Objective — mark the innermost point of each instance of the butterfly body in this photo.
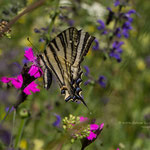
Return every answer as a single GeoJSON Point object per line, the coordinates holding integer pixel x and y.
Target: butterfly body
{"type": "Point", "coordinates": [62, 57]}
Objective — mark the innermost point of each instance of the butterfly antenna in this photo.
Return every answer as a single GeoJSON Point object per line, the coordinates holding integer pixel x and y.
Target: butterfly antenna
{"type": "Point", "coordinates": [28, 39]}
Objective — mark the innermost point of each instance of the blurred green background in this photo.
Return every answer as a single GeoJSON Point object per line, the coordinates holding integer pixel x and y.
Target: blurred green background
{"type": "Point", "coordinates": [123, 105]}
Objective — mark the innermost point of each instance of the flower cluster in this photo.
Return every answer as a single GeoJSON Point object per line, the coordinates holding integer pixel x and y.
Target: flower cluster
{"type": "Point", "coordinates": [80, 128]}
{"type": "Point", "coordinates": [122, 26]}
{"type": "Point", "coordinates": [34, 72]}
{"type": "Point", "coordinates": [102, 80]}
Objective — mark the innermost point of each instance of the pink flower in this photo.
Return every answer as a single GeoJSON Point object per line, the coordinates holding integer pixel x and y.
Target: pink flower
{"type": "Point", "coordinates": [16, 82]}
{"type": "Point", "coordinates": [117, 149]}
{"type": "Point", "coordinates": [101, 126]}
{"type": "Point", "coordinates": [29, 55]}
{"type": "Point", "coordinates": [31, 87]}
{"type": "Point", "coordinates": [94, 128]}
{"type": "Point", "coordinates": [5, 80]}
{"type": "Point", "coordinates": [91, 136]}
{"type": "Point", "coordinates": [35, 70]}
{"type": "Point", "coordinates": [82, 119]}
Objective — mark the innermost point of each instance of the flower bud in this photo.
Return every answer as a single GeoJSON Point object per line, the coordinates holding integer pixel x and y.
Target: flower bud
{"type": "Point", "coordinates": [24, 113]}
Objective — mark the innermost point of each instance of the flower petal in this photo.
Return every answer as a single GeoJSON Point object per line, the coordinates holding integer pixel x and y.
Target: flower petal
{"type": "Point", "coordinates": [29, 54]}
{"type": "Point", "coordinates": [87, 70]}
{"type": "Point", "coordinates": [91, 136]}
{"type": "Point", "coordinates": [17, 82]}
{"type": "Point", "coordinates": [5, 79]}
{"type": "Point", "coordinates": [31, 87]}
{"type": "Point", "coordinates": [101, 126]}
{"type": "Point", "coordinates": [94, 126]}
{"type": "Point", "coordinates": [58, 120]}
{"type": "Point", "coordinates": [82, 119]}
{"type": "Point", "coordinates": [35, 71]}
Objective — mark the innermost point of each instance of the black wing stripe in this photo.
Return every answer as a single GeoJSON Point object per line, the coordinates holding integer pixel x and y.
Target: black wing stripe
{"type": "Point", "coordinates": [51, 66]}
{"type": "Point", "coordinates": [54, 42]}
{"type": "Point", "coordinates": [79, 48]}
{"type": "Point", "coordinates": [65, 51]}
{"type": "Point", "coordinates": [65, 37]}
{"type": "Point", "coordinates": [91, 39]}
{"type": "Point", "coordinates": [57, 60]}
{"type": "Point", "coordinates": [47, 78]}
{"type": "Point", "coordinates": [86, 37]}
{"type": "Point", "coordinates": [63, 44]}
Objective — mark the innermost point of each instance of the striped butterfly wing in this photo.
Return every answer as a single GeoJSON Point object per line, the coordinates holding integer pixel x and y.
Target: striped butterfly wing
{"type": "Point", "coordinates": [63, 56]}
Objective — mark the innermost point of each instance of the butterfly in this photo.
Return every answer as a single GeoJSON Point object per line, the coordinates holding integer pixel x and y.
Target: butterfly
{"type": "Point", "coordinates": [63, 57]}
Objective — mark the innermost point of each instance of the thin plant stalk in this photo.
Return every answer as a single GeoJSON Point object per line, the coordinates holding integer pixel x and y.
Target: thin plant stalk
{"type": "Point", "coordinates": [6, 115]}
{"type": "Point", "coordinates": [20, 132]}
{"type": "Point", "coordinates": [13, 125]}
{"type": "Point", "coordinates": [53, 20]}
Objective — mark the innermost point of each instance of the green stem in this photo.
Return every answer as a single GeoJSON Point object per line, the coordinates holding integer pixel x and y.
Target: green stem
{"type": "Point", "coordinates": [20, 131]}
{"type": "Point", "coordinates": [28, 9]}
{"type": "Point", "coordinates": [14, 118]}
{"type": "Point", "coordinates": [53, 21]}
{"type": "Point", "coordinates": [6, 115]}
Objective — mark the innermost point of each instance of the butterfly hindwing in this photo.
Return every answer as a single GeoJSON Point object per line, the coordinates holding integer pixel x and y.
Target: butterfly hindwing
{"type": "Point", "coordinates": [63, 56]}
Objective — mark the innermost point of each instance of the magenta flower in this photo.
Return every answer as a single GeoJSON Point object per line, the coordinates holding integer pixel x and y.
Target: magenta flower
{"type": "Point", "coordinates": [29, 55]}
{"type": "Point", "coordinates": [35, 70]}
{"type": "Point", "coordinates": [31, 87]}
{"type": "Point", "coordinates": [18, 82]}
{"type": "Point", "coordinates": [82, 119]}
{"type": "Point", "coordinates": [94, 128]}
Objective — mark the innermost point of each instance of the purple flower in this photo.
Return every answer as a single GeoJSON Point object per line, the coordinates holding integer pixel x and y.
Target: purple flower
{"type": "Point", "coordinates": [116, 3]}
{"type": "Point", "coordinates": [102, 81]}
{"type": "Point", "coordinates": [125, 29]}
{"type": "Point", "coordinates": [117, 45]}
{"type": "Point", "coordinates": [71, 22]}
{"type": "Point", "coordinates": [116, 50]}
{"type": "Point", "coordinates": [7, 108]}
{"type": "Point", "coordinates": [37, 30]}
{"type": "Point", "coordinates": [96, 46]}
{"type": "Point", "coordinates": [118, 32]}
{"type": "Point", "coordinates": [127, 15]}
{"type": "Point", "coordinates": [101, 26]}
{"type": "Point", "coordinates": [41, 40]}
{"type": "Point", "coordinates": [87, 82]}
{"type": "Point", "coordinates": [58, 120]}
{"type": "Point", "coordinates": [87, 70]}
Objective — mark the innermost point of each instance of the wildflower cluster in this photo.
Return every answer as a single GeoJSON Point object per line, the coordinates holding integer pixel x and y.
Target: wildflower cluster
{"type": "Point", "coordinates": [25, 80]}
{"type": "Point", "coordinates": [121, 21]}
{"type": "Point", "coordinates": [80, 128]}
{"type": "Point", "coordinates": [3, 24]}
{"type": "Point", "coordinates": [102, 81]}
